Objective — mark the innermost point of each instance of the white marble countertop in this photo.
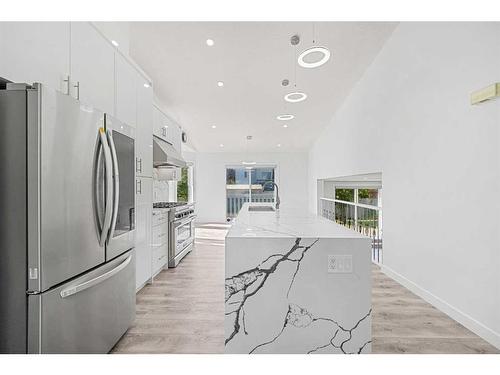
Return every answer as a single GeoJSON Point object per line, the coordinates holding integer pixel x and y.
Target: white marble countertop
{"type": "Point", "coordinates": [286, 222]}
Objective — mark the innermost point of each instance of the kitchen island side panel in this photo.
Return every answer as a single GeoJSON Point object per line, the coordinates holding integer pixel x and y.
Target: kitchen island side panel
{"type": "Point", "coordinates": [281, 298]}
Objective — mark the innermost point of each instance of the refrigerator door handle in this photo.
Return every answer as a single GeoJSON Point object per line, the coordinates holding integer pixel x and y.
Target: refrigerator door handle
{"type": "Point", "coordinates": [109, 192]}
{"type": "Point", "coordinates": [116, 184]}
{"type": "Point", "coordinates": [97, 280]}
{"type": "Point", "coordinates": [97, 176]}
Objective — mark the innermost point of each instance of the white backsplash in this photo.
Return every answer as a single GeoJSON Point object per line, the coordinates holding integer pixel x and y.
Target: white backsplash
{"type": "Point", "coordinates": [164, 191]}
{"type": "Point", "coordinates": [160, 191]}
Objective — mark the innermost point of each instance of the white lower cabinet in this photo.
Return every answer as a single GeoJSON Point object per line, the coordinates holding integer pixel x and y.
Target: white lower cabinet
{"type": "Point", "coordinates": [144, 208]}
{"type": "Point", "coordinates": [159, 241]}
{"type": "Point", "coordinates": [160, 258]}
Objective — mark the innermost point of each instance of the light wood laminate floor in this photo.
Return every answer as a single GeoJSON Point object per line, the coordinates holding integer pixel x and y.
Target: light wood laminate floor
{"type": "Point", "coordinates": [183, 311]}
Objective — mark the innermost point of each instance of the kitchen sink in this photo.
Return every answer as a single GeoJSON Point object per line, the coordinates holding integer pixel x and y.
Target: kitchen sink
{"type": "Point", "coordinates": [261, 208]}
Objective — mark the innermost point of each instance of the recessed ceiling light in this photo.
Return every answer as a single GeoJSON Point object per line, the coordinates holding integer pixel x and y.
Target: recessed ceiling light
{"type": "Point", "coordinates": [214, 126]}
{"type": "Point", "coordinates": [220, 83]}
{"type": "Point", "coordinates": [221, 145]}
{"type": "Point", "coordinates": [325, 52]}
{"type": "Point", "coordinates": [295, 97]}
{"type": "Point", "coordinates": [285, 117]}
{"type": "Point", "coordinates": [147, 85]}
{"type": "Point", "coordinates": [210, 42]}
{"type": "Point", "coordinates": [115, 43]}
{"type": "Point", "coordinates": [248, 162]}
{"type": "Point", "coordinates": [278, 145]}
{"type": "Point", "coordinates": [285, 126]}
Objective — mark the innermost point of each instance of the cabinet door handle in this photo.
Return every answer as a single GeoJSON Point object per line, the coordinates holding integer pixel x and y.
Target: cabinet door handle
{"type": "Point", "coordinates": [66, 85]}
{"type": "Point", "coordinates": [77, 87]}
{"type": "Point", "coordinates": [138, 187]}
{"type": "Point", "coordinates": [164, 131]}
{"type": "Point", "coordinates": [138, 165]}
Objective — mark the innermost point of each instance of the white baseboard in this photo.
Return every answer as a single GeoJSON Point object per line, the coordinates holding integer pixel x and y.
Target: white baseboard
{"type": "Point", "coordinates": [470, 323]}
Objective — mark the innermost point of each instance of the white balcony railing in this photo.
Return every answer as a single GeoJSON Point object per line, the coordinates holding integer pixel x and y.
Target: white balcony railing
{"type": "Point", "coordinates": [363, 218]}
{"type": "Point", "coordinates": [235, 200]}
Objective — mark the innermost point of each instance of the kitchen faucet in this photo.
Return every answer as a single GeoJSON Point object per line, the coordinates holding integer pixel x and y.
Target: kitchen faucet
{"type": "Point", "coordinates": [277, 192]}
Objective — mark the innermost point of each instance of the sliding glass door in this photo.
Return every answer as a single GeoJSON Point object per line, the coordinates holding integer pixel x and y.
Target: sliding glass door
{"type": "Point", "coordinates": [237, 190]}
{"type": "Point", "coordinates": [262, 188]}
{"type": "Point", "coordinates": [248, 184]}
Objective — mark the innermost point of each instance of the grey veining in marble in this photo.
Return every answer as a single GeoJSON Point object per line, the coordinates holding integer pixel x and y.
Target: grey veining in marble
{"type": "Point", "coordinates": [269, 308]}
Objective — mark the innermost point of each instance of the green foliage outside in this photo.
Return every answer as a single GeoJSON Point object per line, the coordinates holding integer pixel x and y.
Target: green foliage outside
{"type": "Point", "coordinates": [348, 194]}
{"type": "Point", "coordinates": [365, 193]}
{"type": "Point", "coordinates": [344, 195]}
{"type": "Point", "coordinates": [182, 186]}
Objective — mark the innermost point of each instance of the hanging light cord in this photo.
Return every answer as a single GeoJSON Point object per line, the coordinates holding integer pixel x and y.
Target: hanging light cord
{"type": "Point", "coordinates": [295, 67]}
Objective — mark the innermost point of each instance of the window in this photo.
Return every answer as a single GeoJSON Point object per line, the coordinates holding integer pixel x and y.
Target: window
{"type": "Point", "coordinates": [185, 186]}
{"type": "Point", "coordinates": [368, 196]}
{"type": "Point", "coordinates": [182, 186]}
{"type": "Point", "coordinates": [357, 208]}
{"type": "Point", "coordinates": [344, 195]}
{"type": "Point", "coordinates": [248, 184]}
{"type": "Point", "coordinates": [262, 188]}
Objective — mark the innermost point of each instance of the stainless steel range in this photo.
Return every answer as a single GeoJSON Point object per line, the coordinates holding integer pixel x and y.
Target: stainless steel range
{"type": "Point", "coordinates": [181, 229]}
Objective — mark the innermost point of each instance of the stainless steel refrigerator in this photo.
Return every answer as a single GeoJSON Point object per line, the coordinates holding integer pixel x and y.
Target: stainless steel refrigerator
{"type": "Point", "coordinates": [67, 218]}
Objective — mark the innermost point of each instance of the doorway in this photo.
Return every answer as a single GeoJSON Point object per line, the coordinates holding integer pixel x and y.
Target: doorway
{"type": "Point", "coordinates": [248, 184]}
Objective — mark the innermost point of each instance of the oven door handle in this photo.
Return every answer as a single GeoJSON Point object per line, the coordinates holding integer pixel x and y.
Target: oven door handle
{"type": "Point", "coordinates": [178, 223]}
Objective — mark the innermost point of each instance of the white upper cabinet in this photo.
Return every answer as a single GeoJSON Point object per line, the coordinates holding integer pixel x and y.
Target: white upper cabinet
{"type": "Point", "coordinates": [166, 129]}
{"type": "Point", "coordinates": [176, 137]}
{"type": "Point", "coordinates": [161, 124]}
{"type": "Point", "coordinates": [170, 130]}
{"type": "Point", "coordinates": [92, 67]}
{"type": "Point", "coordinates": [126, 91]}
{"type": "Point", "coordinates": [35, 52]}
{"type": "Point", "coordinates": [144, 134]}
{"type": "Point", "coordinates": [119, 32]}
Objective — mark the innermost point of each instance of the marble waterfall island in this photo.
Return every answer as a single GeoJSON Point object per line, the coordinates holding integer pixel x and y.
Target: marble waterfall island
{"type": "Point", "coordinates": [296, 283]}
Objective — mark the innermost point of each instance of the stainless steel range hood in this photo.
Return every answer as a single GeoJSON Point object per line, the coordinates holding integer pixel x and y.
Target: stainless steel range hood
{"type": "Point", "coordinates": [165, 155]}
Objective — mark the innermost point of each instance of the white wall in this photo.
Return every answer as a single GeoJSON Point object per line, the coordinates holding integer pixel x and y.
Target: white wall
{"type": "Point", "coordinates": [210, 180]}
{"type": "Point", "coordinates": [409, 117]}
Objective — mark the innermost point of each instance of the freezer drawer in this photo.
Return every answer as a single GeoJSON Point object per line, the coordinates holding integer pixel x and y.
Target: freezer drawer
{"type": "Point", "coordinates": [86, 315]}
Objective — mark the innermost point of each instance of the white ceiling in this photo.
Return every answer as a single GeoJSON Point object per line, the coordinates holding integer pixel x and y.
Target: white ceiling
{"type": "Point", "coordinates": [252, 58]}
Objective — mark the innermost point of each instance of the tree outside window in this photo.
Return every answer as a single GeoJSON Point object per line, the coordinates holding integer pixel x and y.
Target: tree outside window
{"type": "Point", "coordinates": [344, 195]}
{"type": "Point", "coordinates": [182, 186]}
